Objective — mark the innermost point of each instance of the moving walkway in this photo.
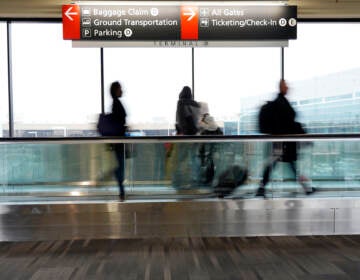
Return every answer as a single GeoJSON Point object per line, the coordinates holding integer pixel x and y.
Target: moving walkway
{"type": "Point", "coordinates": [64, 188]}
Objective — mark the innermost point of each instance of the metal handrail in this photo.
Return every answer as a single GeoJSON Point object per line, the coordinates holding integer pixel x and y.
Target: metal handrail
{"type": "Point", "coordinates": [186, 139]}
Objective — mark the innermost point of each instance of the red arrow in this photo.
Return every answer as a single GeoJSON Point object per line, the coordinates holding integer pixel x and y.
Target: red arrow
{"type": "Point", "coordinates": [191, 13]}
{"type": "Point", "coordinates": [189, 22]}
{"type": "Point", "coordinates": [68, 13]}
{"type": "Point", "coordinates": [71, 22]}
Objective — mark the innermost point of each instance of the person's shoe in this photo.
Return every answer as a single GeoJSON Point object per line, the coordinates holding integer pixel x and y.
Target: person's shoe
{"type": "Point", "coordinates": [260, 192]}
{"type": "Point", "coordinates": [310, 191]}
{"type": "Point", "coordinates": [122, 197]}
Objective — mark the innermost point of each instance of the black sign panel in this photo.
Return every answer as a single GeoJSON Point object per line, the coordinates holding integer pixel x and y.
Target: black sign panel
{"type": "Point", "coordinates": [193, 21]}
{"type": "Point", "coordinates": [247, 22]}
{"type": "Point", "coordinates": [130, 22]}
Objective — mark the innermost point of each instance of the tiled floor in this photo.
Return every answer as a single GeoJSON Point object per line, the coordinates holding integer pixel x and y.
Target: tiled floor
{"type": "Point", "coordinates": [304, 258]}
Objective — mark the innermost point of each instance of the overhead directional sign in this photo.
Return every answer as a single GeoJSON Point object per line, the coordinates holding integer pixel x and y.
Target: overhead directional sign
{"type": "Point", "coordinates": [196, 21]}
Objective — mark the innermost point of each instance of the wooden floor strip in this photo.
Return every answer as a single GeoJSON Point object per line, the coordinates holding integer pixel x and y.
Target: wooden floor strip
{"type": "Point", "coordinates": [258, 258]}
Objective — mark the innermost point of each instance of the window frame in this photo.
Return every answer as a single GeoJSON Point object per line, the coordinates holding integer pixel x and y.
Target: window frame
{"type": "Point", "coordinates": [9, 21]}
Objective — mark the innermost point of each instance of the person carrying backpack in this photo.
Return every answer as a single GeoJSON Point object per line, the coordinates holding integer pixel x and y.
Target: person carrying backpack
{"type": "Point", "coordinates": [207, 124]}
{"type": "Point", "coordinates": [207, 127]}
{"type": "Point", "coordinates": [277, 117]}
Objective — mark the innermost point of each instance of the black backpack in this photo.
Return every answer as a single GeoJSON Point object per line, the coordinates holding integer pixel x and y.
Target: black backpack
{"type": "Point", "coordinates": [267, 117]}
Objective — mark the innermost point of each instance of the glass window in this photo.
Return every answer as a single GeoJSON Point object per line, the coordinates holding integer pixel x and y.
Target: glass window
{"type": "Point", "coordinates": [151, 80]}
{"type": "Point", "coordinates": [235, 82]}
{"type": "Point", "coordinates": [324, 63]}
{"type": "Point", "coordinates": [4, 108]}
{"type": "Point", "coordinates": [57, 89]}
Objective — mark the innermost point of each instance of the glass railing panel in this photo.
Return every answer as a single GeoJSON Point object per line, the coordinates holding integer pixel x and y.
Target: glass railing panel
{"type": "Point", "coordinates": [176, 168]}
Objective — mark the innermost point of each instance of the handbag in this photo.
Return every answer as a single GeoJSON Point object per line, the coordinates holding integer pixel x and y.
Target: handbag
{"type": "Point", "coordinates": [107, 126]}
{"type": "Point", "coordinates": [299, 129]}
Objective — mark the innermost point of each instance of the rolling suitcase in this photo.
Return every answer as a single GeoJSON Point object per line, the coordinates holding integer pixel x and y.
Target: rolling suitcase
{"type": "Point", "coordinates": [229, 180]}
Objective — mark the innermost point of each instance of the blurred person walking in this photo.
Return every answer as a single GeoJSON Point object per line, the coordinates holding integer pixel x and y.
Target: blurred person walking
{"type": "Point", "coordinates": [278, 118]}
{"type": "Point", "coordinates": [187, 113]}
{"type": "Point", "coordinates": [185, 173]}
{"type": "Point", "coordinates": [119, 117]}
{"type": "Point", "coordinates": [207, 126]}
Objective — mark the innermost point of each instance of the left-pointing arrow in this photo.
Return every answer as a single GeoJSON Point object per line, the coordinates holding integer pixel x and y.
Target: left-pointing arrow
{"type": "Point", "coordinates": [71, 22]}
{"type": "Point", "coordinates": [68, 13]}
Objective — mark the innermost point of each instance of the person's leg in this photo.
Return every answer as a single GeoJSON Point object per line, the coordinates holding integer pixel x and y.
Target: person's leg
{"type": "Point", "coordinates": [202, 151]}
{"type": "Point", "coordinates": [266, 176]}
{"type": "Point", "coordinates": [303, 181]}
{"type": "Point", "coordinates": [120, 170]}
{"type": "Point", "coordinates": [180, 161]}
{"type": "Point", "coordinates": [194, 165]}
{"type": "Point", "coordinates": [293, 168]}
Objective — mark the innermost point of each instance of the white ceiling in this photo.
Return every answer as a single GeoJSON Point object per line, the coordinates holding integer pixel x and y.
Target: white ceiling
{"type": "Point", "coordinates": [306, 8]}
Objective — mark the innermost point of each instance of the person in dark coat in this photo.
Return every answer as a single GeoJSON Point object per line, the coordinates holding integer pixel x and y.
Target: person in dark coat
{"type": "Point", "coordinates": [186, 165]}
{"type": "Point", "coordinates": [187, 113]}
{"type": "Point", "coordinates": [284, 123]}
{"type": "Point", "coordinates": [119, 115]}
